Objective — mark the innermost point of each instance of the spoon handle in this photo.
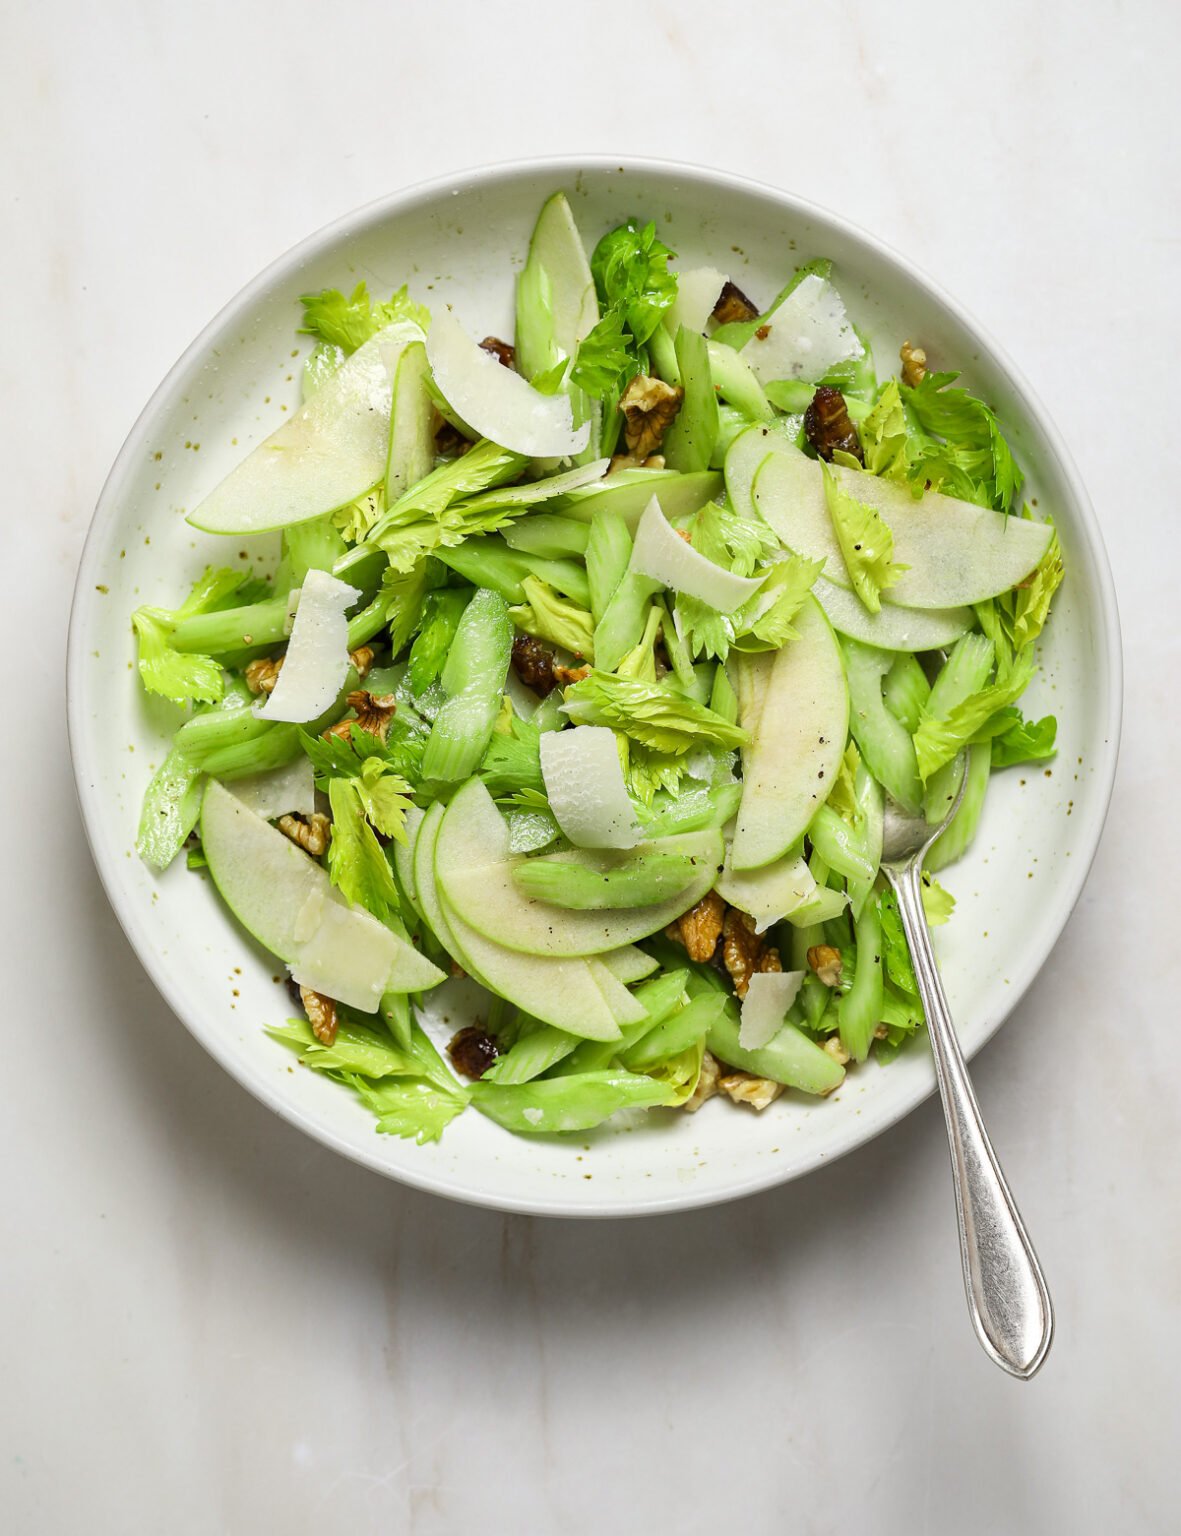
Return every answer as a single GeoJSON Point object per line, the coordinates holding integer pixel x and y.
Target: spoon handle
{"type": "Point", "coordinates": [1007, 1294]}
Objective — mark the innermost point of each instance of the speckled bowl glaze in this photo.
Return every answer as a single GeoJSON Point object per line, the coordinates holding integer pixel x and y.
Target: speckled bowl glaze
{"type": "Point", "coordinates": [461, 240]}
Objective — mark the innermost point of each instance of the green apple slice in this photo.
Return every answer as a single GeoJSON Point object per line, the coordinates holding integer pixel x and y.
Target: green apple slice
{"type": "Point", "coordinates": [332, 450]}
{"type": "Point", "coordinates": [797, 742]}
{"type": "Point", "coordinates": [557, 304]}
{"type": "Point", "coordinates": [957, 552]}
{"type": "Point", "coordinates": [893, 628]}
{"type": "Point", "coordinates": [404, 856]}
{"type": "Point", "coordinates": [562, 992]}
{"type": "Point", "coordinates": [474, 869]}
{"type": "Point", "coordinates": [625, 1009]}
{"type": "Point", "coordinates": [286, 900]}
{"type": "Point", "coordinates": [628, 964]}
{"type": "Point", "coordinates": [628, 491]}
{"type": "Point", "coordinates": [425, 891]}
{"type": "Point", "coordinates": [769, 893]}
{"type": "Point", "coordinates": [745, 457]}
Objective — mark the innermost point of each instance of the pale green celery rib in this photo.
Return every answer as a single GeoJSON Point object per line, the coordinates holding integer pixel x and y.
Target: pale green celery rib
{"type": "Point", "coordinates": [861, 1007]}
{"type": "Point", "coordinates": [964, 824]}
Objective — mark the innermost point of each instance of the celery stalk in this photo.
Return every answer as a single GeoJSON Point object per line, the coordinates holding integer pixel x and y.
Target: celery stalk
{"type": "Point", "coordinates": [962, 828]}
{"type": "Point", "coordinates": [231, 629]}
{"type": "Point", "coordinates": [608, 549]}
{"type": "Point", "coordinates": [790, 1058]}
{"type": "Point", "coordinates": [550, 535]}
{"type": "Point", "coordinates": [689, 442]}
{"type": "Point", "coordinates": [906, 690]}
{"type": "Point", "coordinates": [884, 742]}
{"type": "Point", "coordinates": [170, 810]}
{"type": "Point", "coordinates": [473, 679]}
{"type": "Point", "coordinates": [860, 1009]}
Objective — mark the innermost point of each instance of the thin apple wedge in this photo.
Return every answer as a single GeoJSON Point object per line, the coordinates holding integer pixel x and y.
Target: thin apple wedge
{"type": "Point", "coordinates": [474, 871]}
{"type": "Point", "coordinates": [798, 737]}
{"type": "Point", "coordinates": [955, 551]}
{"type": "Point", "coordinates": [286, 900]}
{"type": "Point", "coordinates": [893, 628]}
{"type": "Point", "coordinates": [332, 450]}
{"type": "Point", "coordinates": [564, 993]}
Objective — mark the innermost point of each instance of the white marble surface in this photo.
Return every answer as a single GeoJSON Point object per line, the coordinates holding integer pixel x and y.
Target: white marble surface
{"type": "Point", "coordinates": [211, 1324]}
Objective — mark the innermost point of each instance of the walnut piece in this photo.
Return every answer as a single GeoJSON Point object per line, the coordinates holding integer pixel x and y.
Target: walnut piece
{"type": "Point", "coordinates": [825, 960]}
{"type": "Point", "coordinates": [564, 676]}
{"type": "Point", "coordinates": [707, 1084]}
{"type": "Point", "coordinates": [313, 833]}
{"type": "Point", "coordinates": [744, 952]}
{"type": "Point", "coordinates": [374, 714]}
{"type": "Point", "coordinates": [472, 1050]}
{"type": "Point", "coordinates": [263, 673]}
{"type": "Point", "coordinates": [733, 305]}
{"type": "Point", "coordinates": [648, 406]}
{"type": "Point", "coordinates": [500, 350]}
{"type": "Point", "coordinates": [746, 1088]}
{"type": "Point", "coordinates": [836, 1050]}
{"type": "Point", "coordinates": [321, 1012]}
{"type": "Point", "coordinates": [828, 427]}
{"type": "Point", "coordinates": [630, 461]}
{"type": "Point", "coordinates": [362, 660]}
{"type": "Point", "coordinates": [700, 928]}
{"type": "Point", "coordinates": [914, 364]}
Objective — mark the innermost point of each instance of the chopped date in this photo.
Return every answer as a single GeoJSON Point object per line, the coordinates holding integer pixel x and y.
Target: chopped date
{"type": "Point", "coordinates": [473, 1051]}
{"type": "Point", "coordinates": [828, 427]}
{"type": "Point", "coordinates": [500, 350]}
{"type": "Point", "coordinates": [733, 305]}
{"type": "Point", "coordinates": [534, 664]}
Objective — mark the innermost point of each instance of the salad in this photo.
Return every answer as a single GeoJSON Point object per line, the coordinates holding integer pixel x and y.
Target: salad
{"type": "Point", "coordinates": [585, 669]}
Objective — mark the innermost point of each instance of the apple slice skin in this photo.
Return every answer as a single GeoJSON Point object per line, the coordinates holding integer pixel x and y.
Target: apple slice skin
{"type": "Point", "coordinates": [893, 628]}
{"type": "Point", "coordinates": [271, 886]}
{"type": "Point", "coordinates": [559, 992]}
{"type": "Point", "coordinates": [473, 867]}
{"type": "Point", "coordinates": [957, 552]}
{"type": "Point", "coordinates": [628, 964]}
{"type": "Point", "coordinates": [797, 744]}
{"type": "Point", "coordinates": [332, 450]}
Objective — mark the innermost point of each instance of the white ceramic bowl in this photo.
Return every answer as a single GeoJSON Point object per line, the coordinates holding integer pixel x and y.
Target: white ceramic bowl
{"type": "Point", "coordinates": [461, 240]}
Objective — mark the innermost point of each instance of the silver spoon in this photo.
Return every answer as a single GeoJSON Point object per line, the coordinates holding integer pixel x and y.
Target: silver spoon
{"type": "Point", "coordinates": [1007, 1294]}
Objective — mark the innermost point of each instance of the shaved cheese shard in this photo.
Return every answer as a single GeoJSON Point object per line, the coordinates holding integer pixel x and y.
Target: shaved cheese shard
{"type": "Point", "coordinates": [317, 659]}
{"type": "Point", "coordinates": [805, 336]}
{"type": "Point", "coordinates": [496, 402]}
{"type": "Point", "coordinates": [764, 1008]}
{"type": "Point", "coordinates": [698, 290]}
{"type": "Point", "coordinates": [286, 791]}
{"type": "Point", "coordinates": [584, 784]}
{"type": "Point", "coordinates": [332, 450]}
{"type": "Point", "coordinates": [661, 554]}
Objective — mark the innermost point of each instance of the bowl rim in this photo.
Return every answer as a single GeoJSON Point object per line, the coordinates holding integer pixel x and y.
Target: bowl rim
{"type": "Point", "coordinates": [856, 1132]}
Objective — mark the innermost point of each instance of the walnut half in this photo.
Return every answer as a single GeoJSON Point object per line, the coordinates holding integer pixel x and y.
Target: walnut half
{"type": "Point", "coordinates": [825, 960]}
{"type": "Point", "coordinates": [648, 407]}
{"type": "Point", "coordinates": [321, 1012]}
{"type": "Point", "coordinates": [374, 714]}
{"type": "Point", "coordinates": [312, 833]}
{"type": "Point", "coordinates": [744, 952]}
{"type": "Point", "coordinates": [914, 364]}
{"type": "Point", "coordinates": [746, 1088]}
{"type": "Point", "coordinates": [700, 928]}
{"type": "Point", "coordinates": [262, 673]}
